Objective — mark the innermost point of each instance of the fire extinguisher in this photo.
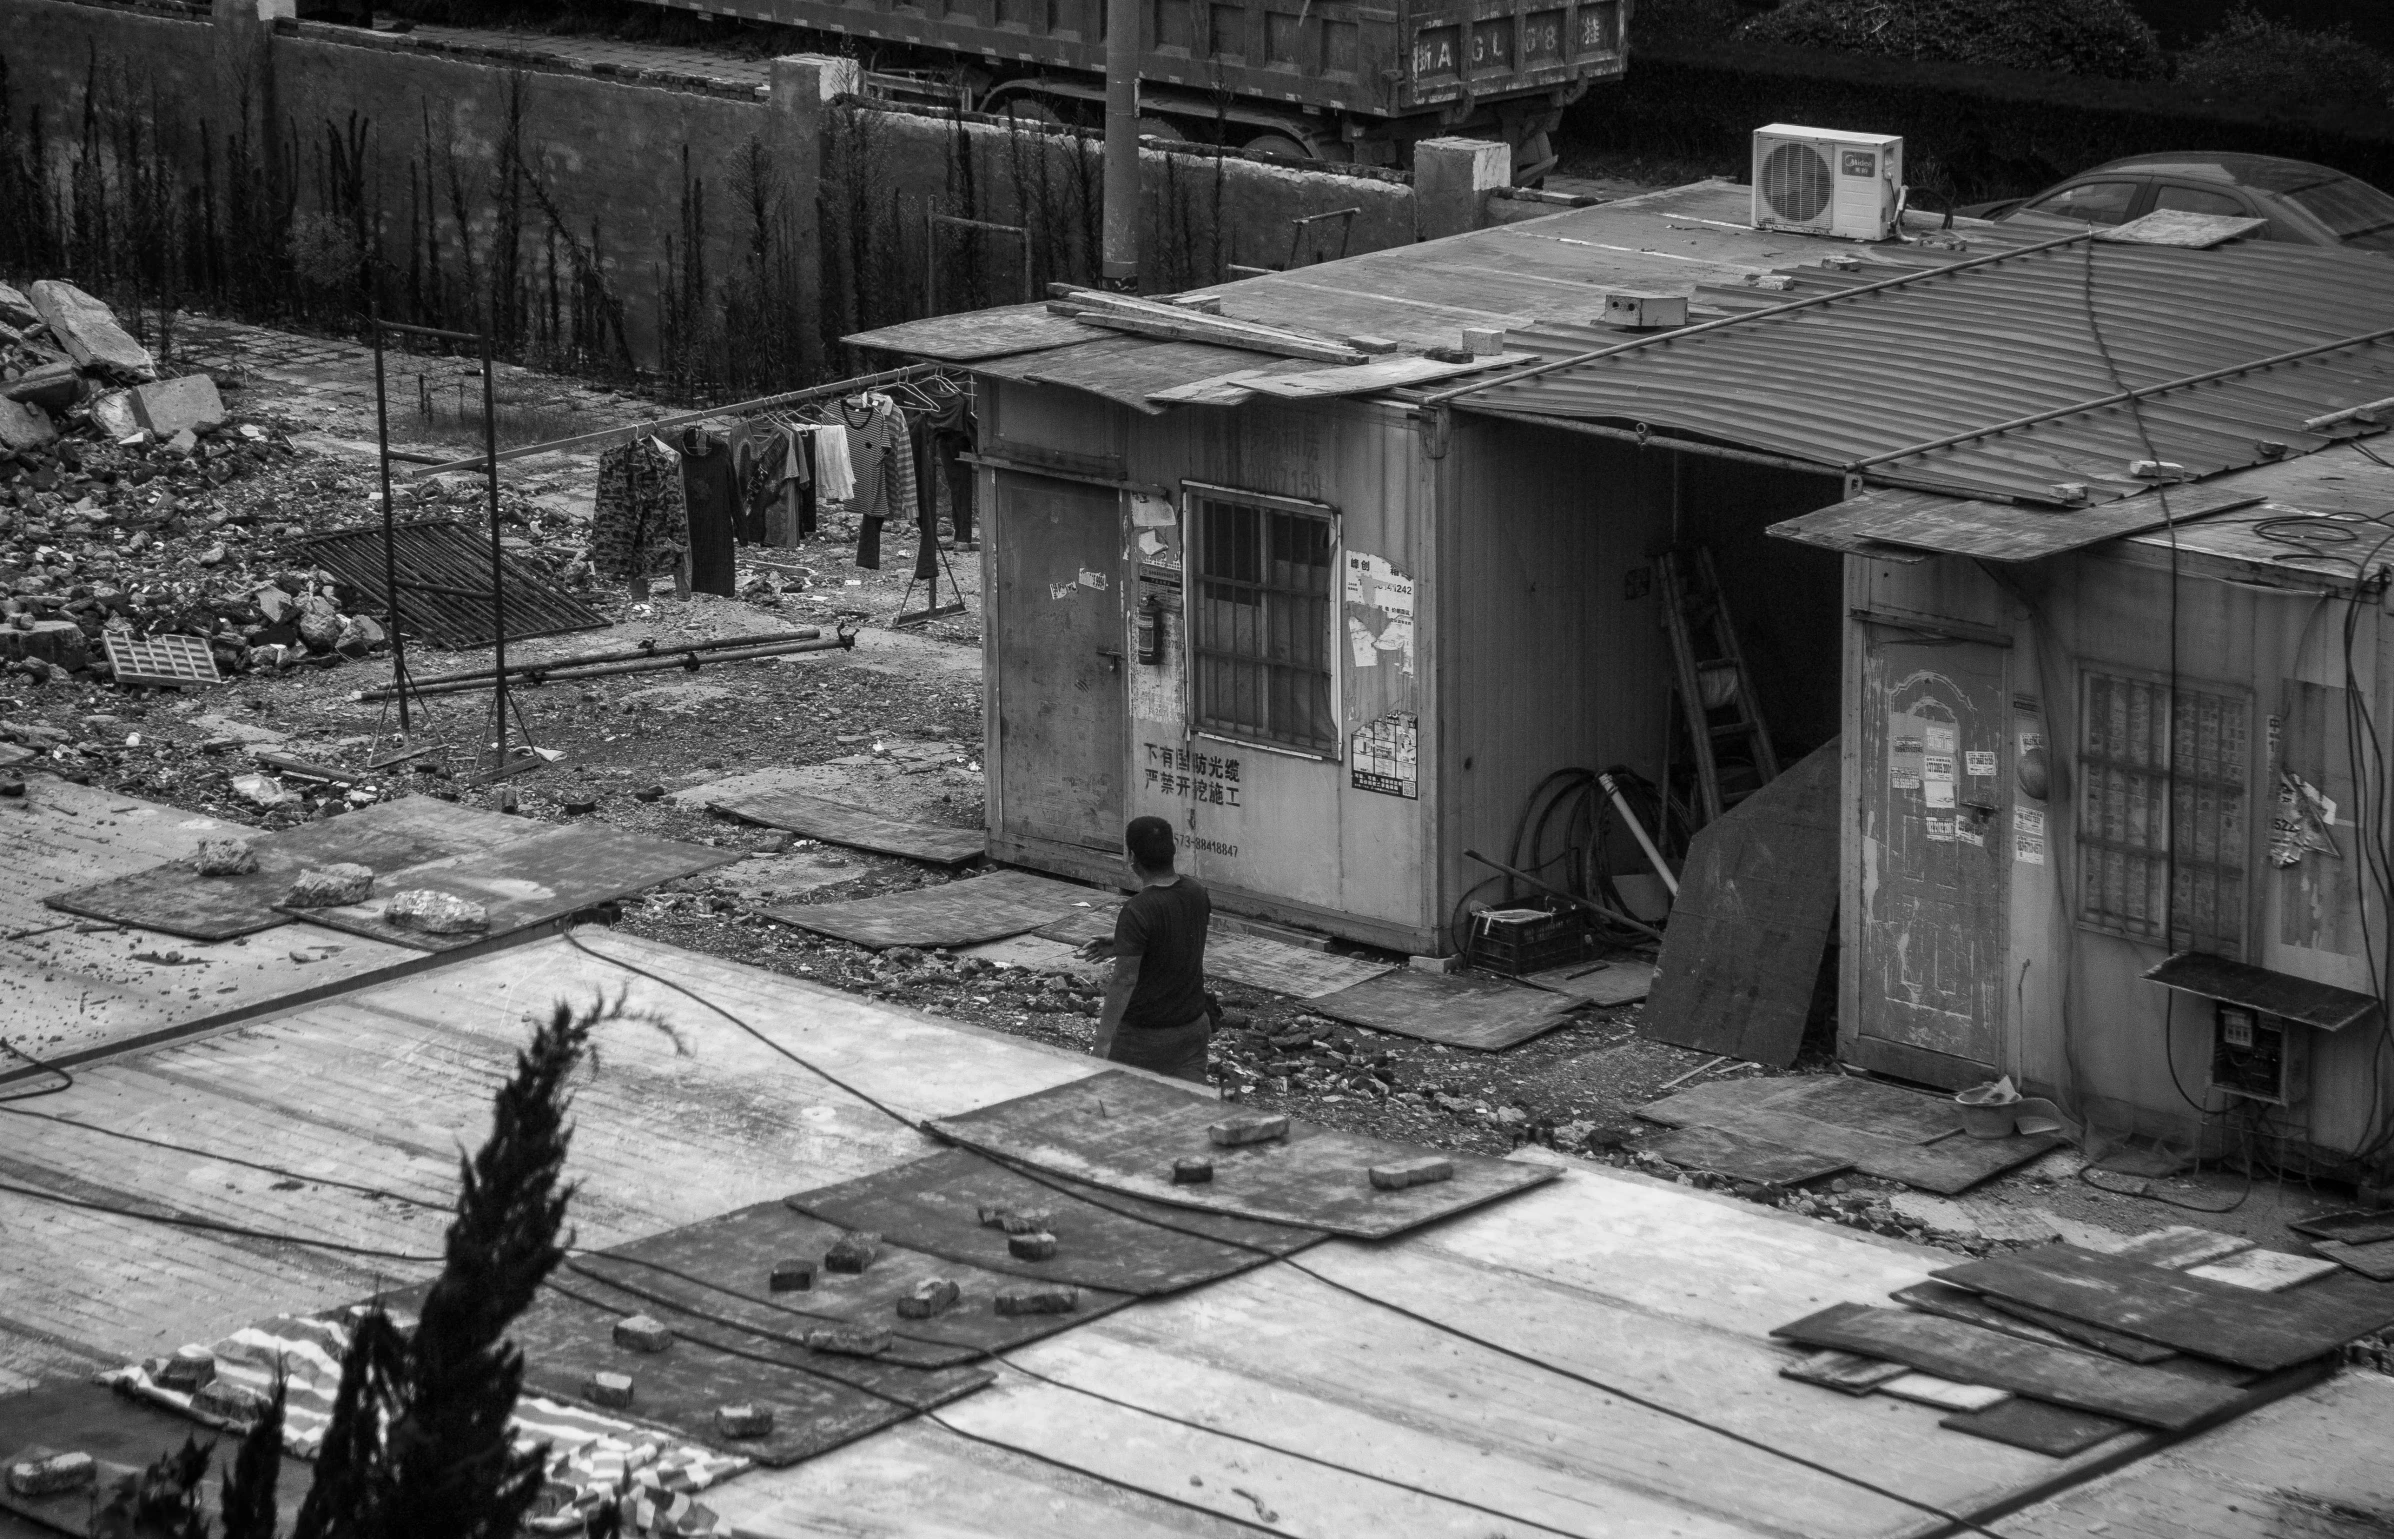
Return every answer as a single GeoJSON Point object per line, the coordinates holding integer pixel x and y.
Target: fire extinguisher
{"type": "Point", "coordinates": [1151, 629]}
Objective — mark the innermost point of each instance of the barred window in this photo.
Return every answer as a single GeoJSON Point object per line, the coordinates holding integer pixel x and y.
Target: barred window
{"type": "Point", "coordinates": [2157, 804]}
{"type": "Point", "coordinates": [1259, 632]}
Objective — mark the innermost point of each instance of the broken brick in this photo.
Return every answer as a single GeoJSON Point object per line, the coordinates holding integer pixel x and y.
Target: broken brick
{"type": "Point", "coordinates": [1016, 1220]}
{"type": "Point", "coordinates": [334, 886]}
{"type": "Point", "coordinates": [930, 1296]}
{"type": "Point", "coordinates": [1399, 1174]}
{"type": "Point", "coordinates": [852, 1253]}
{"type": "Point", "coordinates": [1035, 1246]}
{"type": "Point", "coordinates": [1192, 1171]}
{"type": "Point", "coordinates": [849, 1340]}
{"type": "Point", "coordinates": [643, 1334]}
{"type": "Point", "coordinates": [744, 1420]}
{"type": "Point", "coordinates": [435, 913]}
{"type": "Point", "coordinates": [50, 1476]}
{"type": "Point", "coordinates": [1042, 1299]}
{"type": "Point", "coordinates": [1248, 1128]}
{"type": "Point", "coordinates": [792, 1276]}
{"type": "Point", "coordinates": [613, 1390]}
{"type": "Point", "coordinates": [225, 857]}
{"type": "Point", "coordinates": [187, 1370]}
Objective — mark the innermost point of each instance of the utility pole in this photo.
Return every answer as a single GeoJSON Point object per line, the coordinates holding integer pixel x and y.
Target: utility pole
{"type": "Point", "coordinates": [1118, 266]}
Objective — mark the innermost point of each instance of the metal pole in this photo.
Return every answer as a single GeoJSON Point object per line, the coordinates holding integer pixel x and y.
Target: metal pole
{"type": "Point", "coordinates": [498, 568]}
{"type": "Point", "coordinates": [390, 559]}
{"type": "Point", "coordinates": [1119, 265]}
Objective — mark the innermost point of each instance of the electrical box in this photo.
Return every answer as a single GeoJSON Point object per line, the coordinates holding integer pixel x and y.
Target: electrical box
{"type": "Point", "coordinates": [2258, 1056]}
{"type": "Point", "coordinates": [1645, 312]}
{"type": "Point", "coordinates": [1825, 181]}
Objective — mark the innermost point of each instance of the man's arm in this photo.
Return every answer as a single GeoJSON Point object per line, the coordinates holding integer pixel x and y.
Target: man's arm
{"type": "Point", "coordinates": [1118, 998]}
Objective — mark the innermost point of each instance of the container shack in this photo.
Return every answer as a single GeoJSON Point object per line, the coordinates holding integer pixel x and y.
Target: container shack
{"type": "Point", "coordinates": [1339, 634]}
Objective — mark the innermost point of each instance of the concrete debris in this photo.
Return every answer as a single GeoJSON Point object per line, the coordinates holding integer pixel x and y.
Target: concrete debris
{"type": "Point", "coordinates": [87, 329]}
{"type": "Point", "coordinates": [170, 406]}
{"type": "Point", "coordinates": [53, 1475]}
{"type": "Point", "coordinates": [744, 1421]}
{"type": "Point", "coordinates": [1248, 1128]}
{"type": "Point", "coordinates": [641, 1333]}
{"type": "Point", "coordinates": [612, 1390]}
{"type": "Point", "coordinates": [225, 857]}
{"type": "Point", "coordinates": [1041, 1299]}
{"type": "Point", "coordinates": [852, 1253]}
{"type": "Point", "coordinates": [849, 1340]}
{"type": "Point", "coordinates": [186, 1370]}
{"type": "Point", "coordinates": [51, 386]}
{"type": "Point", "coordinates": [435, 913]}
{"type": "Point", "coordinates": [931, 1296]}
{"type": "Point", "coordinates": [112, 415]}
{"type": "Point", "coordinates": [24, 427]}
{"type": "Point", "coordinates": [262, 790]}
{"type": "Point", "coordinates": [331, 887]}
{"type": "Point", "coordinates": [1016, 1220]}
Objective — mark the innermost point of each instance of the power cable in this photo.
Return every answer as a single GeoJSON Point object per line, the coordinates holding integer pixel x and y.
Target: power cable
{"type": "Point", "coordinates": [212, 1226]}
{"type": "Point", "coordinates": [66, 1077]}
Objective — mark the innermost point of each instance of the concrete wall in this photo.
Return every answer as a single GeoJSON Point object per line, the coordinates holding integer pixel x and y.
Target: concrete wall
{"type": "Point", "coordinates": [636, 174]}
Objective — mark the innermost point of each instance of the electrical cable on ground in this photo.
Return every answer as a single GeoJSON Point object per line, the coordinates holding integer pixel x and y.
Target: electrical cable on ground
{"type": "Point", "coordinates": [66, 1077]}
{"type": "Point", "coordinates": [1442, 1326]}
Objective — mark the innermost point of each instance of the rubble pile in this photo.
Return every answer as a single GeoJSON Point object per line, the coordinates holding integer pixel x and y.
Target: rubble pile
{"type": "Point", "coordinates": [143, 506]}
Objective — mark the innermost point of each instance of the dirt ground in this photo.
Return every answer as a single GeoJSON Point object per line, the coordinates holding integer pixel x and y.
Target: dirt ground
{"type": "Point", "coordinates": [895, 725]}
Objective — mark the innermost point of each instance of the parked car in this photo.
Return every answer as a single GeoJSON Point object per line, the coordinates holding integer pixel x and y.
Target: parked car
{"type": "Point", "coordinates": [2305, 203]}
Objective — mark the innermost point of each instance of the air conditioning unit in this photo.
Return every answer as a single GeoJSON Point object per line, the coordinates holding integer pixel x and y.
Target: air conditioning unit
{"type": "Point", "coordinates": [1826, 182]}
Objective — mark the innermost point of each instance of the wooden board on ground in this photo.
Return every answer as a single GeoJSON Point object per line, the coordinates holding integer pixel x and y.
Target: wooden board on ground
{"type": "Point", "coordinates": [1460, 1009]}
{"type": "Point", "coordinates": [1040, 955]}
{"type": "Point", "coordinates": [1819, 1113]}
{"type": "Point", "coordinates": [1083, 925]}
{"type": "Point", "coordinates": [2374, 1260]}
{"type": "Point", "coordinates": [1617, 980]}
{"type": "Point", "coordinates": [2309, 1466]}
{"type": "Point", "coordinates": [124, 1435]}
{"type": "Point", "coordinates": [1743, 952]}
{"type": "Point", "coordinates": [1968, 1354]}
{"type": "Point", "coordinates": [2054, 1430]}
{"type": "Point", "coordinates": [1846, 1372]}
{"type": "Point", "coordinates": [724, 1266]}
{"type": "Point", "coordinates": [959, 913]}
{"type": "Point", "coordinates": [1954, 1303]}
{"type": "Point", "coordinates": [531, 881]}
{"type": "Point", "coordinates": [2180, 1245]}
{"type": "Point", "coordinates": [819, 1401]}
{"type": "Point", "coordinates": [1122, 1131]}
{"type": "Point", "coordinates": [2262, 1331]}
{"type": "Point", "coordinates": [1301, 972]}
{"type": "Point", "coordinates": [2264, 1271]}
{"type": "Point", "coordinates": [1742, 1157]}
{"type": "Point", "coordinates": [73, 988]}
{"type": "Point", "coordinates": [1104, 1239]}
{"type": "Point", "coordinates": [2355, 1228]}
{"type": "Point", "coordinates": [385, 837]}
{"type": "Point", "coordinates": [812, 817]}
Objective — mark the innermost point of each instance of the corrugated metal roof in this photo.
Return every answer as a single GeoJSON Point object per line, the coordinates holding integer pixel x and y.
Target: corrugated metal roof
{"type": "Point", "coordinates": [1865, 380]}
{"type": "Point", "coordinates": [1691, 240]}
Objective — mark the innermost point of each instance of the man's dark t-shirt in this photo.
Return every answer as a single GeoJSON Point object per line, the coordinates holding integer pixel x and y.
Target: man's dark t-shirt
{"type": "Point", "coordinates": [1165, 928]}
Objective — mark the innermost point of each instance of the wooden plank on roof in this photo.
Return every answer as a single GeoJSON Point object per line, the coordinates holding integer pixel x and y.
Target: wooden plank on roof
{"type": "Point", "coordinates": [1970, 1354]}
{"type": "Point", "coordinates": [2211, 1319]}
{"type": "Point", "coordinates": [1837, 526]}
{"type": "Point", "coordinates": [1751, 922]}
{"type": "Point", "coordinates": [2318, 1005]}
{"type": "Point", "coordinates": [1381, 374]}
{"type": "Point", "coordinates": [2178, 227]}
{"type": "Point", "coordinates": [2012, 532]}
{"type": "Point", "coordinates": [975, 335]}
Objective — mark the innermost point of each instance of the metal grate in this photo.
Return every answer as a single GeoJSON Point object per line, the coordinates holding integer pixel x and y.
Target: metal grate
{"type": "Point", "coordinates": [1261, 628]}
{"type": "Point", "coordinates": [444, 583]}
{"type": "Point", "coordinates": [161, 660]}
{"type": "Point", "coordinates": [2161, 824]}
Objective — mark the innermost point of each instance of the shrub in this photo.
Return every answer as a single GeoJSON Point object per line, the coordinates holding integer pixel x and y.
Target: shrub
{"type": "Point", "coordinates": [2070, 37]}
{"type": "Point", "coordinates": [2266, 63]}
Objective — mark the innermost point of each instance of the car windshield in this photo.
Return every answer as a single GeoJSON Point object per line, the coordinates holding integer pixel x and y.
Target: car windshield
{"type": "Point", "coordinates": [2358, 213]}
{"type": "Point", "coordinates": [2093, 202]}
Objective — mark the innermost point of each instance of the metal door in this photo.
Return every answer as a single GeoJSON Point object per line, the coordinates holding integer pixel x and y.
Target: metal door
{"type": "Point", "coordinates": [1935, 855]}
{"type": "Point", "coordinates": [1061, 725]}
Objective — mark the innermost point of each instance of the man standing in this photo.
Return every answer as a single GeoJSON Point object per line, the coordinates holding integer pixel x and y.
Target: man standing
{"type": "Point", "coordinates": [1155, 1016]}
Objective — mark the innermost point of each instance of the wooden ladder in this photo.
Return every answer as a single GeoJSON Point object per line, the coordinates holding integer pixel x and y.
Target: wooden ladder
{"type": "Point", "coordinates": [1704, 648]}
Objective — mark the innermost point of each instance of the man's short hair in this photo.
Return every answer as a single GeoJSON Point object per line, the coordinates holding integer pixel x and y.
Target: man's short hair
{"type": "Point", "coordinates": [1150, 842]}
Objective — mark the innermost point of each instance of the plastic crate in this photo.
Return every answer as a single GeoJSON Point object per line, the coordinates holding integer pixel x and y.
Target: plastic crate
{"type": "Point", "coordinates": [1521, 941]}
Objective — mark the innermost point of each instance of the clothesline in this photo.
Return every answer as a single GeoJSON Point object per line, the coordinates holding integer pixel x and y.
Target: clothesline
{"type": "Point", "coordinates": [627, 432]}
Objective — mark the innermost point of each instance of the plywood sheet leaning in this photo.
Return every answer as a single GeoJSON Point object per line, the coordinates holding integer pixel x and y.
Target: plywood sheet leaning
{"type": "Point", "coordinates": [1879, 1129]}
{"type": "Point", "coordinates": [1751, 923]}
{"type": "Point", "coordinates": [531, 881]}
{"type": "Point", "coordinates": [960, 913]}
{"type": "Point", "coordinates": [813, 817]}
{"type": "Point", "coordinates": [1104, 1239]}
{"type": "Point", "coordinates": [1968, 1354]}
{"type": "Point", "coordinates": [386, 837]}
{"type": "Point", "coordinates": [1459, 1009]}
{"type": "Point", "coordinates": [2262, 1331]}
{"type": "Point", "coordinates": [1122, 1131]}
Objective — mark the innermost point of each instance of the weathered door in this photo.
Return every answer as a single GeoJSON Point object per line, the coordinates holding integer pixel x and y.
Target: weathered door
{"type": "Point", "coordinates": [1060, 700]}
{"type": "Point", "coordinates": [1935, 857]}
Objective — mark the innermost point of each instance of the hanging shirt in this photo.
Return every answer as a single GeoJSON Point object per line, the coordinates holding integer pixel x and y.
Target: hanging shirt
{"type": "Point", "coordinates": [640, 522]}
{"type": "Point", "coordinates": [882, 457]}
{"type": "Point", "coordinates": [835, 473]}
{"type": "Point", "coordinates": [712, 493]}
